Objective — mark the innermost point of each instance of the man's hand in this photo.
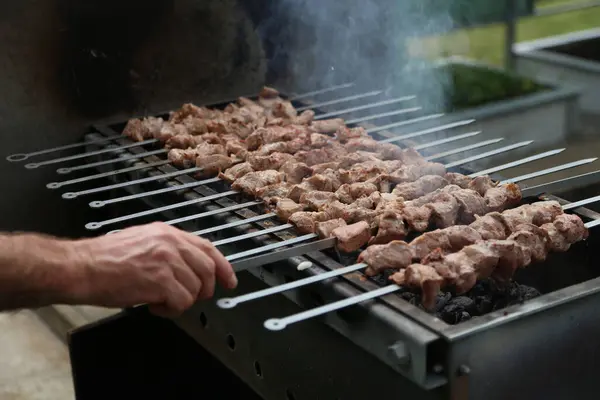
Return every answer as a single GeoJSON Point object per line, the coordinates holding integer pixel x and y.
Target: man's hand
{"type": "Point", "coordinates": [153, 264]}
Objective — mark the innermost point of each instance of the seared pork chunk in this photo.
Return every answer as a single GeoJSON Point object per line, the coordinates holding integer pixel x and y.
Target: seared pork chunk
{"type": "Point", "coordinates": [325, 228]}
{"type": "Point", "coordinates": [352, 237]}
{"type": "Point", "coordinates": [286, 207]}
{"type": "Point", "coordinates": [379, 257]}
{"type": "Point", "coordinates": [253, 181]}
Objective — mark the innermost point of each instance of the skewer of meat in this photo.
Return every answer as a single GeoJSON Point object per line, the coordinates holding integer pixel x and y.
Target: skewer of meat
{"type": "Point", "coordinates": [398, 254]}
{"type": "Point", "coordinates": [494, 258]}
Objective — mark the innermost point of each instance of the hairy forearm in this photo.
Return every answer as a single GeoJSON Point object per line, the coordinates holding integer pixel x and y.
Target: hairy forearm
{"type": "Point", "coordinates": [37, 270]}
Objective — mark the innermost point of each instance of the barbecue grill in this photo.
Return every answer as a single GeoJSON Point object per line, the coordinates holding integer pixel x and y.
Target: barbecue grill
{"type": "Point", "coordinates": [280, 348]}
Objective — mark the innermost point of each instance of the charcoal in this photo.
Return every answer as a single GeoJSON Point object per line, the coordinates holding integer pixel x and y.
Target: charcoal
{"type": "Point", "coordinates": [441, 301]}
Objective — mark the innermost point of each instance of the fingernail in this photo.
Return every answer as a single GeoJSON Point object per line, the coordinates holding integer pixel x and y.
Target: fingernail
{"type": "Point", "coordinates": [233, 282]}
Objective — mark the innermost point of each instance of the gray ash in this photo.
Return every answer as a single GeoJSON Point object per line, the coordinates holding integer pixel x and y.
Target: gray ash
{"type": "Point", "coordinates": [485, 297]}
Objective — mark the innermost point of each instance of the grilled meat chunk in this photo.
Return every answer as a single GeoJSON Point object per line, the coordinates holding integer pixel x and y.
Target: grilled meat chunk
{"type": "Point", "coordinates": [328, 126]}
{"type": "Point", "coordinates": [306, 221]}
{"type": "Point", "coordinates": [273, 161]}
{"type": "Point", "coordinates": [471, 205]}
{"type": "Point", "coordinates": [501, 197]}
{"type": "Point", "coordinates": [142, 129]}
{"type": "Point", "coordinates": [286, 207]}
{"type": "Point", "coordinates": [423, 276]}
{"type": "Point", "coordinates": [412, 172]}
{"type": "Point", "coordinates": [393, 255]}
{"type": "Point", "coordinates": [348, 193]}
{"type": "Point", "coordinates": [352, 237]}
{"type": "Point", "coordinates": [325, 228]}
{"type": "Point", "coordinates": [344, 134]}
{"type": "Point", "coordinates": [295, 171]}
{"type": "Point", "coordinates": [389, 226]}
{"type": "Point", "coordinates": [315, 199]}
{"type": "Point", "coordinates": [213, 164]}
{"type": "Point", "coordinates": [420, 187]}
{"type": "Point", "coordinates": [182, 158]}
{"type": "Point", "coordinates": [449, 239]}
{"type": "Point", "coordinates": [236, 172]}
{"type": "Point", "coordinates": [253, 181]}
{"type": "Point", "coordinates": [271, 194]}
{"type": "Point", "coordinates": [463, 181]}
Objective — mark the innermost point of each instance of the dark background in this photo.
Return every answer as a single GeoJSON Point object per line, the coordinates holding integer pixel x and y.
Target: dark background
{"type": "Point", "coordinates": [65, 64]}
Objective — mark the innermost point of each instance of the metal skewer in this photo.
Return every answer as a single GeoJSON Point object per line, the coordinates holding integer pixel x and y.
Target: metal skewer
{"type": "Point", "coordinates": [56, 185]}
{"type": "Point", "coordinates": [234, 301]}
{"type": "Point", "coordinates": [382, 115]}
{"type": "Point", "coordinates": [91, 153]}
{"type": "Point", "coordinates": [24, 156]}
{"type": "Point", "coordinates": [340, 100]}
{"type": "Point", "coordinates": [367, 106]}
{"type": "Point", "coordinates": [322, 91]}
{"type": "Point", "coordinates": [68, 170]}
{"type": "Point", "coordinates": [102, 203]}
{"type": "Point", "coordinates": [463, 149]}
{"type": "Point", "coordinates": [96, 225]}
{"type": "Point", "coordinates": [73, 195]}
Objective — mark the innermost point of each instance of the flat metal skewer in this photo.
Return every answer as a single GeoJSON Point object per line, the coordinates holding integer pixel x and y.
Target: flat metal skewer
{"type": "Point", "coordinates": [68, 170]}
{"type": "Point", "coordinates": [88, 154]}
{"type": "Point", "coordinates": [322, 91]}
{"type": "Point", "coordinates": [366, 107]}
{"type": "Point", "coordinates": [24, 156]}
{"type": "Point", "coordinates": [340, 100]}
{"type": "Point", "coordinates": [422, 132]}
{"type": "Point", "coordinates": [382, 115]}
{"type": "Point", "coordinates": [57, 185]}
{"type": "Point", "coordinates": [73, 195]}
{"type": "Point", "coordinates": [463, 149]}
{"type": "Point", "coordinates": [234, 301]}
{"type": "Point", "coordinates": [517, 163]}
{"type": "Point", "coordinates": [96, 225]}
{"type": "Point", "coordinates": [102, 203]}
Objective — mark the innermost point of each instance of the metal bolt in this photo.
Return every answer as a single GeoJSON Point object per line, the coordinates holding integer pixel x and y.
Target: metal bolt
{"type": "Point", "coordinates": [463, 370]}
{"type": "Point", "coordinates": [438, 369]}
{"type": "Point", "coordinates": [399, 351]}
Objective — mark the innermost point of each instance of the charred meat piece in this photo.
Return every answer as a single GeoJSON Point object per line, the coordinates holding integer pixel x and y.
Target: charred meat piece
{"type": "Point", "coordinates": [273, 161]}
{"type": "Point", "coordinates": [502, 197]}
{"type": "Point", "coordinates": [284, 109]}
{"type": "Point", "coordinates": [463, 181]}
{"type": "Point", "coordinates": [471, 205]}
{"type": "Point", "coordinates": [325, 228]}
{"type": "Point", "coordinates": [305, 118]}
{"type": "Point", "coordinates": [328, 126]}
{"type": "Point", "coordinates": [298, 190]}
{"type": "Point", "coordinates": [352, 237]}
{"type": "Point", "coordinates": [195, 126]}
{"type": "Point", "coordinates": [343, 134]}
{"type": "Point", "coordinates": [315, 199]}
{"type": "Point", "coordinates": [182, 141]}
{"type": "Point", "coordinates": [271, 134]}
{"type": "Point", "coordinates": [420, 187]}
{"type": "Point", "coordinates": [348, 193]}
{"type": "Point", "coordinates": [236, 172]}
{"type": "Point", "coordinates": [349, 212]}
{"type": "Point", "coordinates": [510, 257]}
{"type": "Point", "coordinates": [146, 128]}
{"type": "Point", "coordinates": [379, 257]}
{"type": "Point", "coordinates": [491, 226]}
{"type": "Point", "coordinates": [564, 231]}
{"type": "Point", "coordinates": [542, 212]}
{"type": "Point", "coordinates": [326, 182]}
{"type": "Point", "coordinates": [306, 221]}
{"type": "Point", "coordinates": [271, 194]}
{"type": "Point", "coordinates": [295, 171]}
{"type": "Point", "coordinates": [444, 210]}
{"type": "Point", "coordinates": [389, 226]}
{"type": "Point", "coordinates": [366, 143]}
{"type": "Point", "coordinates": [182, 158]}
{"type": "Point", "coordinates": [286, 207]}
{"type": "Point", "coordinates": [424, 277]}
{"type": "Point", "coordinates": [417, 218]}
{"type": "Point", "coordinates": [190, 110]}
{"type": "Point", "coordinates": [268, 93]}
{"type": "Point", "coordinates": [213, 164]}
{"type": "Point", "coordinates": [207, 149]}
{"type": "Point", "coordinates": [169, 133]}
{"type": "Point", "coordinates": [253, 181]}
{"type": "Point", "coordinates": [533, 240]}
{"type": "Point", "coordinates": [412, 172]}
{"type": "Point", "coordinates": [450, 239]}
{"type": "Point", "coordinates": [482, 184]}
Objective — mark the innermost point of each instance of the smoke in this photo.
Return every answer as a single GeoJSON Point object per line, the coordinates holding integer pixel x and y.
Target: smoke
{"type": "Point", "coordinates": [314, 44]}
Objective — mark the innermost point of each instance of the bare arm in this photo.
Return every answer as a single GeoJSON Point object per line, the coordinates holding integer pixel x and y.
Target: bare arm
{"type": "Point", "coordinates": [154, 264]}
{"type": "Point", "coordinates": [37, 270]}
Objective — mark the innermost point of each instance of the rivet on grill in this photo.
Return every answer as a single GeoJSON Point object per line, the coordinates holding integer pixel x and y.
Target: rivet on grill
{"type": "Point", "coordinates": [463, 370]}
{"type": "Point", "coordinates": [64, 171]}
{"type": "Point", "coordinates": [69, 195]}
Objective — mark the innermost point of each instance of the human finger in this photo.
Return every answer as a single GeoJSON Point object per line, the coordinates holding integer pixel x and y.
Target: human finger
{"type": "Point", "coordinates": [223, 270]}
{"type": "Point", "coordinates": [203, 266]}
{"type": "Point", "coordinates": [178, 299]}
